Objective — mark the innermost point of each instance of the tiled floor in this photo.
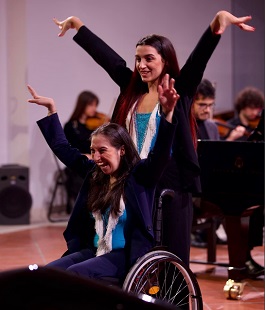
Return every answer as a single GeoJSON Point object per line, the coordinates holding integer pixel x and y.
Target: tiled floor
{"type": "Point", "coordinates": [21, 246]}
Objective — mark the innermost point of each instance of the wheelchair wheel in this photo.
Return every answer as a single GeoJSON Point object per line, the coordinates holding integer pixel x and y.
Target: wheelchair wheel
{"type": "Point", "coordinates": [162, 275]}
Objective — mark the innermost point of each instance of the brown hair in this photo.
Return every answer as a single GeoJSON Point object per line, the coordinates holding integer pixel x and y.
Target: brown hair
{"type": "Point", "coordinates": [100, 197]}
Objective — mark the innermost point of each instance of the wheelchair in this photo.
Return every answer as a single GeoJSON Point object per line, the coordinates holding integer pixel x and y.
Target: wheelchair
{"type": "Point", "coordinates": [161, 274]}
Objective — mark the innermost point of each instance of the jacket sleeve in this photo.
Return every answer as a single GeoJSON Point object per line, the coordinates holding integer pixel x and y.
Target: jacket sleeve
{"type": "Point", "coordinates": [193, 70]}
{"type": "Point", "coordinates": [54, 135]}
{"type": "Point", "coordinates": [104, 55]}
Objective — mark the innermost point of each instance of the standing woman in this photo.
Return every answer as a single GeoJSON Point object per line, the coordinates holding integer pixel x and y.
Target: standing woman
{"type": "Point", "coordinates": [138, 109]}
{"type": "Point", "coordinates": [111, 223]}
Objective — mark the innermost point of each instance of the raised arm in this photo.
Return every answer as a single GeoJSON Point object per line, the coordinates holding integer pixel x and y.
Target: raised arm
{"type": "Point", "coordinates": [103, 54]}
{"type": "Point", "coordinates": [193, 70]}
{"type": "Point", "coordinates": [54, 135]}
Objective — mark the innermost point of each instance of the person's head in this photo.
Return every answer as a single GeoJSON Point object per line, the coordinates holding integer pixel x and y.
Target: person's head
{"type": "Point", "coordinates": [115, 155]}
{"type": "Point", "coordinates": [113, 150]}
{"type": "Point", "coordinates": [86, 105]}
{"type": "Point", "coordinates": [249, 102]}
{"type": "Point", "coordinates": [204, 99]}
{"type": "Point", "coordinates": [154, 57]}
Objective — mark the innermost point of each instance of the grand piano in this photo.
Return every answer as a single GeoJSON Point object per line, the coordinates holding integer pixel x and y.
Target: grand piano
{"type": "Point", "coordinates": [232, 179]}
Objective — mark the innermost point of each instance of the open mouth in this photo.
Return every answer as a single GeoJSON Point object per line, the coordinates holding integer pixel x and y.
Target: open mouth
{"type": "Point", "coordinates": [144, 73]}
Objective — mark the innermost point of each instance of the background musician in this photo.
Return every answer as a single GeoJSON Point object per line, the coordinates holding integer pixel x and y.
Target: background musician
{"type": "Point", "coordinates": [248, 106]}
{"type": "Point", "coordinates": [202, 109]}
{"type": "Point", "coordinates": [76, 130]}
{"type": "Point", "coordinates": [83, 121]}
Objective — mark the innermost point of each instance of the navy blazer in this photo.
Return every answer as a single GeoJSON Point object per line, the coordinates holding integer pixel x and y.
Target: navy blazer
{"type": "Point", "coordinates": [139, 189]}
{"type": "Point", "coordinates": [185, 166]}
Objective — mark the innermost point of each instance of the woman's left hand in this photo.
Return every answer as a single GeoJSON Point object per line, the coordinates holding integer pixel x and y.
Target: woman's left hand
{"type": "Point", "coordinates": [168, 96]}
{"type": "Point", "coordinates": [223, 19]}
{"type": "Point", "coordinates": [44, 101]}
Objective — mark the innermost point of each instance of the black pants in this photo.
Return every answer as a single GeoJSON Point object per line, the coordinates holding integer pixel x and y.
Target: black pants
{"type": "Point", "coordinates": [177, 224]}
{"type": "Point", "coordinates": [85, 263]}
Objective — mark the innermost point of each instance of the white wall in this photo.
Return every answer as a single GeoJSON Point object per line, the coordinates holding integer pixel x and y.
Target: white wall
{"type": "Point", "coordinates": [31, 52]}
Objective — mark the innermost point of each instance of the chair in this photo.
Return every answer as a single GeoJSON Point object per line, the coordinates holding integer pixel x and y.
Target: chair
{"type": "Point", "coordinates": [60, 193]}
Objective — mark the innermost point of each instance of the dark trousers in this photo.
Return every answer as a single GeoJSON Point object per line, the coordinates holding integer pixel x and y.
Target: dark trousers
{"type": "Point", "coordinates": [85, 263]}
{"type": "Point", "coordinates": [177, 223]}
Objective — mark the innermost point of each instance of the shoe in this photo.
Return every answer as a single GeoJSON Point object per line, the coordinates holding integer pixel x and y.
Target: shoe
{"type": "Point", "coordinates": [254, 270]}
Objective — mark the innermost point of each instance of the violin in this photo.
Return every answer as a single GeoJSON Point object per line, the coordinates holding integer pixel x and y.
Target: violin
{"type": "Point", "coordinates": [99, 119]}
{"type": "Point", "coordinates": [224, 128]}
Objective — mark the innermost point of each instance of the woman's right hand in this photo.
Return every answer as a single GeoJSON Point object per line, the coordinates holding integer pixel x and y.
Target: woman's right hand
{"type": "Point", "coordinates": [71, 22]}
{"type": "Point", "coordinates": [44, 101]}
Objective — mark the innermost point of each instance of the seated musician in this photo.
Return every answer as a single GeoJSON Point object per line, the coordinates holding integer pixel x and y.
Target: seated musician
{"type": "Point", "coordinates": [249, 103]}
{"type": "Point", "coordinates": [207, 130]}
{"type": "Point", "coordinates": [82, 122]}
{"type": "Point", "coordinates": [203, 104]}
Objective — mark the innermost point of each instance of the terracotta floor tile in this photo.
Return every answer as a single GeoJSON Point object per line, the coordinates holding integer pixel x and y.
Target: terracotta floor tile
{"type": "Point", "coordinates": [40, 245]}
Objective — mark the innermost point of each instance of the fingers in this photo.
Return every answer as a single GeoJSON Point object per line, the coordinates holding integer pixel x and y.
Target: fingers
{"type": "Point", "coordinates": [246, 27]}
{"type": "Point", "coordinates": [61, 27]}
{"type": "Point", "coordinates": [33, 92]}
{"type": "Point", "coordinates": [165, 81]}
{"type": "Point", "coordinates": [167, 94]}
{"type": "Point", "coordinates": [56, 21]}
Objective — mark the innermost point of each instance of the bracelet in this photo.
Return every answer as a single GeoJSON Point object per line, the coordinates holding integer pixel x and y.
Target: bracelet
{"type": "Point", "coordinates": [50, 113]}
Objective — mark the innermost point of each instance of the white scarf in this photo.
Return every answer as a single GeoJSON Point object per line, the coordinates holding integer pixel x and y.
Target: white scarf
{"type": "Point", "coordinates": [105, 242]}
{"type": "Point", "coordinates": [150, 131]}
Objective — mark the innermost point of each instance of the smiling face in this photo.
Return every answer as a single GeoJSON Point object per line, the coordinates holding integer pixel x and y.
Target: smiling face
{"type": "Point", "coordinates": [148, 63]}
{"type": "Point", "coordinates": [106, 156]}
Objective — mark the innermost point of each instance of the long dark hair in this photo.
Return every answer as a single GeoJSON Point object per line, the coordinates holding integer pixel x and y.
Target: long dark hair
{"type": "Point", "coordinates": [84, 99]}
{"type": "Point", "coordinates": [137, 87]}
{"type": "Point", "coordinates": [100, 196]}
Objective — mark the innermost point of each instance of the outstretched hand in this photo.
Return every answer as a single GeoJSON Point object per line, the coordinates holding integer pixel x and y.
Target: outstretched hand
{"type": "Point", "coordinates": [168, 96]}
{"type": "Point", "coordinates": [223, 19]}
{"type": "Point", "coordinates": [71, 22]}
{"type": "Point", "coordinates": [40, 100]}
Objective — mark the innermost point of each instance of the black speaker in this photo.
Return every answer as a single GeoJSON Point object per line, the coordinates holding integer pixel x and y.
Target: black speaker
{"type": "Point", "coordinates": [15, 199]}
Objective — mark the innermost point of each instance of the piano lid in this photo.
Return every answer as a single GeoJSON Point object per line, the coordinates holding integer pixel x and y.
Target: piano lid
{"type": "Point", "coordinates": [232, 172]}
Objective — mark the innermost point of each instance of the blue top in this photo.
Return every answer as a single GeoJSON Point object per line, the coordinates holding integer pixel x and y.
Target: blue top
{"type": "Point", "coordinates": [118, 240]}
{"type": "Point", "coordinates": [141, 125]}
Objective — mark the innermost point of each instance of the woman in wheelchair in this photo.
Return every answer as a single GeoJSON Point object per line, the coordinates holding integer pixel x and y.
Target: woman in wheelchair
{"type": "Point", "coordinates": [111, 223]}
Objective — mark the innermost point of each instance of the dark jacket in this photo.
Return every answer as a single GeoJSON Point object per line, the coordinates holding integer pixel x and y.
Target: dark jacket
{"type": "Point", "coordinates": [210, 128]}
{"type": "Point", "coordinates": [139, 189]}
{"type": "Point", "coordinates": [185, 164]}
